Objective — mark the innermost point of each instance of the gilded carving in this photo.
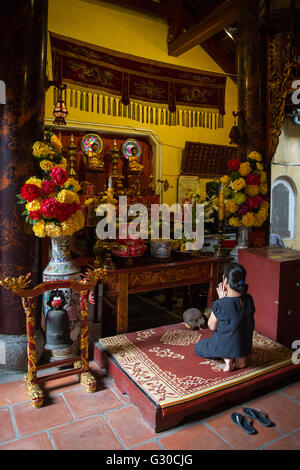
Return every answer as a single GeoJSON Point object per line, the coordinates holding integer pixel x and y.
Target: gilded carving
{"type": "Point", "coordinates": [88, 381]}
{"type": "Point", "coordinates": [34, 392]}
{"type": "Point", "coordinates": [279, 70]}
{"type": "Point", "coordinates": [168, 275]}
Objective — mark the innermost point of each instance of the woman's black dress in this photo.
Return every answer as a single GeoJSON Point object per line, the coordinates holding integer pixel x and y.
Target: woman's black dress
{"type": "Point", "coordinates": [233, 336]}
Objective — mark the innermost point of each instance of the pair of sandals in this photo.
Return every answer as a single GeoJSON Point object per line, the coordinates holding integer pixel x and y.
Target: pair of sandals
{"type": "Point", "coordinates": [252, 413]}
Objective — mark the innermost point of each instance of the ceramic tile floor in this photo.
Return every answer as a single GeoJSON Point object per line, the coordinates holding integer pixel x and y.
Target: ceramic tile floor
{"type": "Point", "coordinates": [72, 419]}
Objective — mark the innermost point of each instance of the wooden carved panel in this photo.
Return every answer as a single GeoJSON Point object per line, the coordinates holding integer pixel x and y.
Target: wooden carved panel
{"type": "Point", "coordinates": [167, 276]}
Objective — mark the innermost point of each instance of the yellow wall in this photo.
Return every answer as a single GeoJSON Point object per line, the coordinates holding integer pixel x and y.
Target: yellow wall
{"type": "Point", "coordinates": [127, 31]}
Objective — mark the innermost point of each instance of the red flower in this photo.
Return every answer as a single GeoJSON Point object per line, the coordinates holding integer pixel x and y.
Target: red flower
{"type": "Point", "coordinates": [74, 207]}
{"type": "Point", "coordinates": [35, 215]}
{"type": "Point", "coordinates": [59, 175]}
{"type": "Point", "coordinates": [47, 187]}
{"type": "Point", "coordinates": [29, 192]}
{"type": "Point", "coordinates": [243, 209]}
{"type": "Point", "coordinates": [66, 210]}
{"type": "Point", "coordinates": [253, 178]}
{"type": "Point", "coordinates": [50, 208]}
{"type": "Point", "coordinates": [234, 164]}
{"type": "Point", "coordinates": [254, 201]}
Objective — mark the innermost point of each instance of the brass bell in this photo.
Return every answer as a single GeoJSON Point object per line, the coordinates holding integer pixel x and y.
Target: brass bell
{"type": "Point", "coordinates": [57, 322]}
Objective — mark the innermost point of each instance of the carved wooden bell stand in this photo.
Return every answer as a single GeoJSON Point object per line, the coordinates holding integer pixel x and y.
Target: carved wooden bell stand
{"type": "Point", "coordinates": [80, 362]}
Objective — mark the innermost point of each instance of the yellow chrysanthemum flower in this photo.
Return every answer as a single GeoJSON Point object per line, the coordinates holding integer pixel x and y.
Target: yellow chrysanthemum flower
{"type": "Point", "coordinates": [252, 189]}
{"type": "Point", "coordinates": [234, 221]}
{"type": "Point", "coordinates": [52, 230]}
{"type": "Point", "coordinates": [67, 196]}
{"type": "Point", "coordinates": [265, 205]}
{"type": "Point", "coordinates": [40, 229]}
{"type": "Point", "coordinates": [89, 201]}
{"type": "Point", "coordinates": [33, 205]}
{"type": "Point", "coordinates": [258, 220]}
{"type": "Point", "coordinates": [238, 184]}
{"type": "Point", "coordinates": [77, 219]}
{"type": "Point", "coordinates": [231, 206]}
{"type": "Point", "coordinates": [248, 219]}
{"type": "Point", "coordinates": [56, 143]}
{"type": "Point", "coordinates": [67, 228]}
{"type": "Point", "coordinates": [72, 182]}
{"type": "Point", "coordinates": [46, 165]}
{"type": "Point", "coordinates": [34, 180]}
{"type": "Point", "coordinates": [263, 176]}
{"type": "Point", "coordinates": [225, 180]}
{"type": "Point", "coordinates": [259, 166]}
{"type": "Point", "coordinates": [263, 188]}
{"type": "Point", "coordinates": [263, 212]}
{"type": "Point", "coordinates": [255, 156]}
{"type": "Point", "coordinates": [41, 149]}
{"type": "Point", "coordinates": [245, 168]}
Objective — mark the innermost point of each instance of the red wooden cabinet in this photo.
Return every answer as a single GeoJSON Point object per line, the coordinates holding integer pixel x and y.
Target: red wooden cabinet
{"type": "Point", "coordinates": [273, 275]}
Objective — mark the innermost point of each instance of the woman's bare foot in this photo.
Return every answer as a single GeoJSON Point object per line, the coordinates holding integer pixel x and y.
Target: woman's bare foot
{"type": "Point", "coordinates": [240, 362]}
{"type": "Point", "coordinates": [229, 365]}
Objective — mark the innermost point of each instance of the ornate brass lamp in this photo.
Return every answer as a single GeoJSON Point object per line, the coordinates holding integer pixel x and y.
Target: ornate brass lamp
{"type": "Point", "coordinates": [60, 110]}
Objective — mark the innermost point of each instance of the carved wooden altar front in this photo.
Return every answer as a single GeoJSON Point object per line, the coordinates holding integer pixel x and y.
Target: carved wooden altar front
{"type": "Point", "coordinates": [149, 276]}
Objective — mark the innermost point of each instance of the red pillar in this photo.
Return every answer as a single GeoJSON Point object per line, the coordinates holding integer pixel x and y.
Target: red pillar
{"type": "Point", "coordinates": [23, 36]}
{"type": "Point", "coordinates": [251, 61]}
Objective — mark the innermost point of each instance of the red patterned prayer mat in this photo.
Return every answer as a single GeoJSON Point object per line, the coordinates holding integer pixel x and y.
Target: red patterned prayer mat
{"type": "Point", "coordinates": [160, 371]}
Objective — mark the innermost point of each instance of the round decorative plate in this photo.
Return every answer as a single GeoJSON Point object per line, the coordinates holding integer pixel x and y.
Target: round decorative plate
{"type": "Point", "coordinates": [127, 146]}
{"type": "Point", "coordinates": [88, 140]}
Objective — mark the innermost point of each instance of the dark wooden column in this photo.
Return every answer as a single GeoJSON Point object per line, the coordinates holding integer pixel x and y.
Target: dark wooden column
{"type": "Point", "coordinates": [251, 53]}
{"type": "Point", "coordinates": [23, 35]}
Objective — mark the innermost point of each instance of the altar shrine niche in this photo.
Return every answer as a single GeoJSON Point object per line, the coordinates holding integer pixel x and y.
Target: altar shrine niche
{"type": "Point", "coordinates": [94, 161]}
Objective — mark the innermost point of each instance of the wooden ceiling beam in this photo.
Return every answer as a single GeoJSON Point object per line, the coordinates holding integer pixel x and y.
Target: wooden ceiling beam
{"type": "Point", "coordinates": [221, 57]}
{"type": "Point", "coordinates": [222, 16]}
{"type": "Point", "coordinates": [148, 7]}
{"type": "Point", "coordinates": [176, 21]}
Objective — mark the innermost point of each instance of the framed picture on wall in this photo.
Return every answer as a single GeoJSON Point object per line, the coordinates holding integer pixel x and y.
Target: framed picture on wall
{"type": "Point", "coordinates": [187, 184]}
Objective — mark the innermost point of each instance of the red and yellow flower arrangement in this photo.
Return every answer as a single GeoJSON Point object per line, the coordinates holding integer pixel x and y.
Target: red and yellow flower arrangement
{"type": "Point", "coordinates": [51, 202]}
{"type": "Point", "coordinates": [245, 192]}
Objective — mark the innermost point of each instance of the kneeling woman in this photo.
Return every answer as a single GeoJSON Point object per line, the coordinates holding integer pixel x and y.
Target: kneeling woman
{"type": "Point", "coordinates": [231, 320]}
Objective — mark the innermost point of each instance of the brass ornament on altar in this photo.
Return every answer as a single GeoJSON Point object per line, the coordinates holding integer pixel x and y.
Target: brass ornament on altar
{"type": "Point", "coordinates": [92, 146]}
{"type": "Point", "coordinates": [93, 160]}
{"type": "Point", "coordinates": [131, 150]}
{"type": "Point", "coordinates": [135, 168]}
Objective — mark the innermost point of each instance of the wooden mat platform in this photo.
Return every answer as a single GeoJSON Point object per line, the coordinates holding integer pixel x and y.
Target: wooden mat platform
{"type": "Point", "coordinates": [160, 372]}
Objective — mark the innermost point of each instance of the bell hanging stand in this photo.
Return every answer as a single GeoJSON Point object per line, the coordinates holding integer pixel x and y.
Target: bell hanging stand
{"type": "Point", "coordinates": [79, 362]}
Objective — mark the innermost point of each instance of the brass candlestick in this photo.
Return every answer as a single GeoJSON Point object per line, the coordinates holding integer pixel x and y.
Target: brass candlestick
{"type": "Point", "coordinates": [220, 238]}
{"type": "Point", "coordinates": [115, 155]}
{"type": "Point", "coordinates": [72, 152]}
{"type": "Point", "coordinates": [117, 177]}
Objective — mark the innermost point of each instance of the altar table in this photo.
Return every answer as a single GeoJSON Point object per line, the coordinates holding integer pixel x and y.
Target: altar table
{"type": "Point", "coordinates": [148, 275]}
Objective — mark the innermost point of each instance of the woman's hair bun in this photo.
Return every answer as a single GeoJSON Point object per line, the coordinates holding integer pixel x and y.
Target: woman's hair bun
{"type": "Point", "coordinates": [236, 275]}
